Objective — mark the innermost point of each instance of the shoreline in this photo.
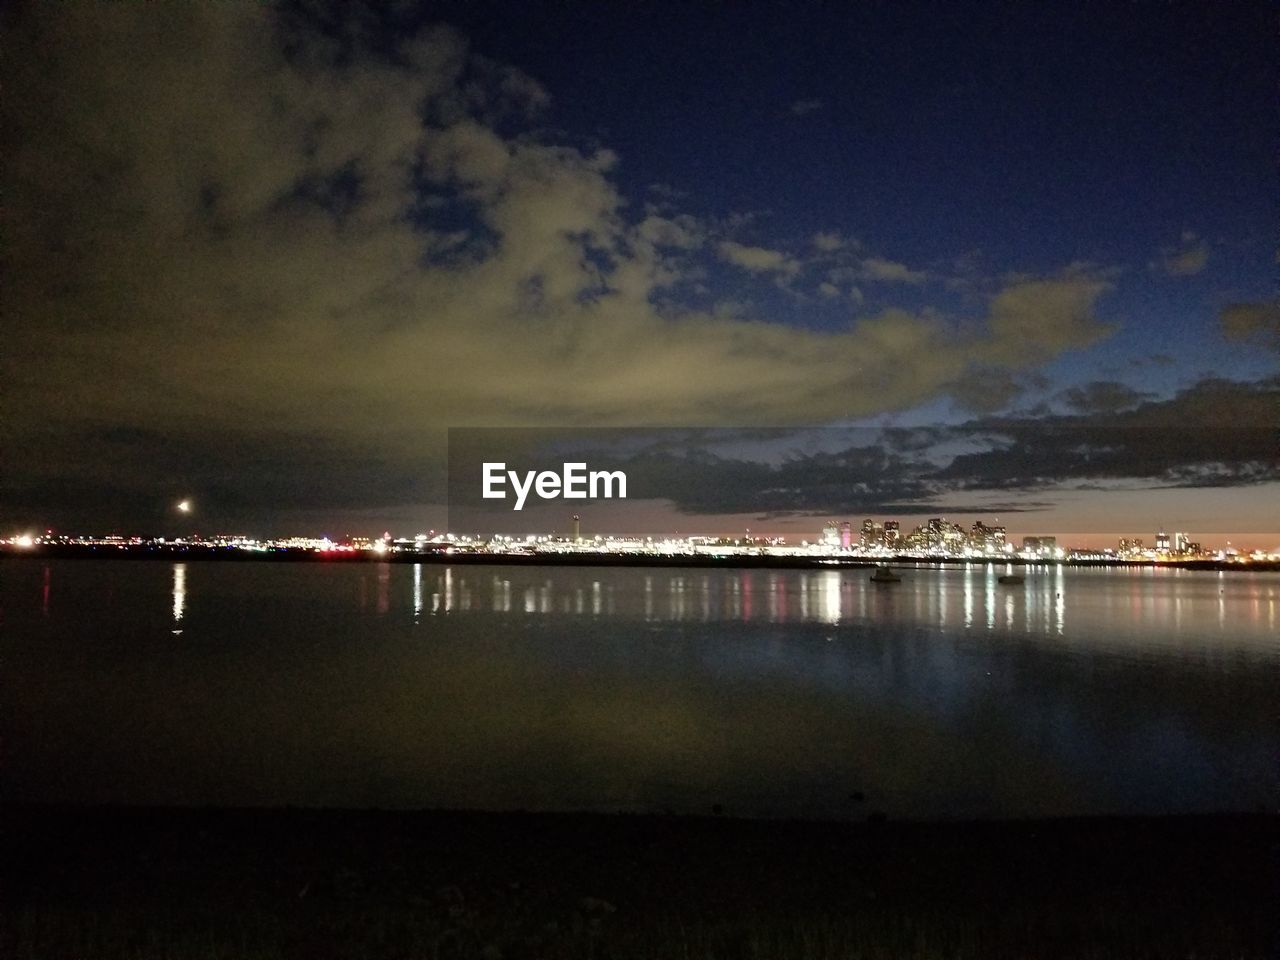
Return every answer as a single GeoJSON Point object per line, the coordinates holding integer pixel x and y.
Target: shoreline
{"type": "Point", "coordinates": [195, 552]}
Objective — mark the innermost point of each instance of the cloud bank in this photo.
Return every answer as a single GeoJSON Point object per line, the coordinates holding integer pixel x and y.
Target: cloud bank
{"type": "Point", "coordinates": [1214, 433]}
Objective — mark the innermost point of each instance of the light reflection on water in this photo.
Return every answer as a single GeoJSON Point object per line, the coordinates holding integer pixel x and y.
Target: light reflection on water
{"type": "Point", "coordinates": [1158, 605]}
{"type": "Point", "coordinates": [770, 692]}
{"type": "Point", "coordinates": [179, 592]}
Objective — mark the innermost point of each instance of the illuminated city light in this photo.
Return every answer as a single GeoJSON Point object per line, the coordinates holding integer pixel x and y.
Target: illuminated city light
{"type": "Point", "coordinates": [934, 540]}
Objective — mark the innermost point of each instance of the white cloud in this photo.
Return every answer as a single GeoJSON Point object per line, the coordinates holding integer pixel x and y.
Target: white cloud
{"type": "Point", "coordinates": [1189, 257]}
{"type": "Point", "coordinates": [683, 232]}
{"type": "Point", "coordinates": [1258, 321]}
{"type": "Point", "coordinates": [758, 259]}
{"type": "Point", "coordinates": [889, 271]}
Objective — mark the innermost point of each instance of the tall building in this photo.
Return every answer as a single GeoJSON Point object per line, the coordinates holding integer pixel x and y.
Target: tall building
{"type": "Point", "coordinates": [1040, 546]}
{"type": "Point", "coordinates": [1180, 542]}
{"type": "Point", "coordinates": [846, 535]}
{"type": "Point", "coordinates": [577, 529]}
{"type": "Point", "coordinates": [1130, 546]}
{"type": "Point", "coordinates": [988, 539]}
{"type": "Point", "coordinates": [892, 533]}
{"type": "Point", "coordinates": [872, 534]}
{"type": "Point", "coordinates": [938, 535]}
{"type": "Point", "coordinates": [831, 534]}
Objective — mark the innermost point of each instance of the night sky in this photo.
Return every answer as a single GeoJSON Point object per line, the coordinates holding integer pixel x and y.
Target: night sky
{"type": "Point", "coordinates": [264, 257]}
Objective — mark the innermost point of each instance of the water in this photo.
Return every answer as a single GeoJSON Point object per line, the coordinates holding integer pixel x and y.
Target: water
{"type": "Point", "coordinates": [769, 693]}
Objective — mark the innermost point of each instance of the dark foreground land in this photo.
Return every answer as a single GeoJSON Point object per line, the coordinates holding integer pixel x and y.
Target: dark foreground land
{"type": "Point", "coordinates": [144, 884]}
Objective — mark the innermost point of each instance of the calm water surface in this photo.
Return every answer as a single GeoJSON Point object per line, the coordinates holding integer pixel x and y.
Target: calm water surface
{"type": "Point", "coordinates": [770, 693]}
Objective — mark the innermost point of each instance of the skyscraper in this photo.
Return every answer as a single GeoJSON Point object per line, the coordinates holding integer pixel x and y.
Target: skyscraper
{"type": "Point", "coordinates": [988, 539]}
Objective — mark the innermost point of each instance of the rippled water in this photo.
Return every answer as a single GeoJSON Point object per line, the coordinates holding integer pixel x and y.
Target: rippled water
{"type": "Point", "coordinates": [777, 693]}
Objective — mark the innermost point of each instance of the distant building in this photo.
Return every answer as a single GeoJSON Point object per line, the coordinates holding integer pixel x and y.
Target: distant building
{"type": "Point", "coordinates": [1162, 542]}
{"type": "Point", "coordinates": [831, 535]}
{"type": "Point", "coordinates": [1180, 542]}
{"type": "Point", "coordinates": [935, 533]}
{"type": "Point", "coordinates": [938, 536]}
{"type": "Point", "coordinates": [891, 533]}
{"type": "Point", "coordinates": [1090, 554]}
{"type": "Point", "coordinates": [577, 529]}
{"type": "Point", "coordinates": [872, 534]}
{"type": "Point", "coordinates": [1130, 546]}
{"type": "Point", "coordinates": [846, 535]}
{"type": "Point", "coordinates": [988, 539]}
{"type": "Point", "coordinates": [1040, 546]}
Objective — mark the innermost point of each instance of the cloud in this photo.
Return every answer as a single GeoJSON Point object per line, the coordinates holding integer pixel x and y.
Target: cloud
{"type": "Point", "coordinates": [1033, 319]}
{"type": "Point", "coordinates": [828, 241]}
{"type": "Point", "coordinates": [1154, 360]}
{"type": "Point", "coordinates": [1186, 259]}
{"type": "Point", "coordinates": [1215, 433]}
{"type": "Point", "coordinates": [667, 193]}
{"type": "Point", "coordinates": [800, 107]}
{"type": "Point", "coordinates": [1023, 461]}
{"type": "Point", "coordinates": [1188, 263]}
{"type": "Point", "coordinates": [683, 232]}
{"type": "Point", "coordinates": [1103, 396]}
{"type": "Point", "coordinates": [758, 259]}
{"type": "Point", "coordinates": [1257, 321]}
{"type": "Point", "coordinates": [889, 271]}
{"type": "Point", "coordinates": [983, 390]}
{"type": "Point", "coordinates": [840, 279]}
{"type": "Point", "coordinates": [246, 255]}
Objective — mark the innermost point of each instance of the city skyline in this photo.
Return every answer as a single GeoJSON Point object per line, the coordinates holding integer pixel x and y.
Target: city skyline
{"type": "Point", "coordinates": [886, 537]}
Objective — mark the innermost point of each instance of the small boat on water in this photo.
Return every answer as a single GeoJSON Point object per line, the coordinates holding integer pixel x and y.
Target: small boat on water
{"type": "Point", "coordinates": [1012, 578]}
{"type": "Point", "coordinates": [885, 575]}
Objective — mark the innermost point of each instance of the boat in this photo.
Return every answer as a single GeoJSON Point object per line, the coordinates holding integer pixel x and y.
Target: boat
{"type": "Point", "coordinates": [1012, 578]}
{"type": "Point", "coordinates": [885, 575]}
